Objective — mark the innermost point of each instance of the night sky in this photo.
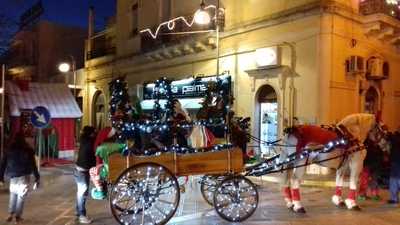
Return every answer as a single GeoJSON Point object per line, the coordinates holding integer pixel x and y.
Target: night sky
{"type": "Point", "coordinates": [67, 12]}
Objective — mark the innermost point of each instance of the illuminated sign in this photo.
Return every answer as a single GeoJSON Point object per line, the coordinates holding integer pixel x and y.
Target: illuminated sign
{"type": "Point", "coordinates": [188, 88]}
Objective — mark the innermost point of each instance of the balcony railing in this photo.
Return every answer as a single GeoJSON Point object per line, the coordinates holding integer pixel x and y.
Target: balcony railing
{"type": "Point", "coordinates": [100, 52]}
{"type": "Point", "coordinates": [368, 7]}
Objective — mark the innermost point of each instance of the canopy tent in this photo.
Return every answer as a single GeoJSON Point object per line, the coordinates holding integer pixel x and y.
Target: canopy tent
{"type": "Point", "coordinates": [57, 98]}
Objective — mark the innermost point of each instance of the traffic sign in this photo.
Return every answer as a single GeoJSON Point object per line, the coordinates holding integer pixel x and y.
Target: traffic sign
{"type": "Point", "coordinates": [40, 117]}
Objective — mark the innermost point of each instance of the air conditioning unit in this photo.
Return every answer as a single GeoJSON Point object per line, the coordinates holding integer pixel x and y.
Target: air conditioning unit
{"type": "Point", "coordinates": [354, 65]}
{"type": "Point", "coordinates": [375, 68]}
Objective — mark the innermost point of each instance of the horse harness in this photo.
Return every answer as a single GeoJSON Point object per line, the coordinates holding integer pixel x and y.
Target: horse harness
{"type": "Point", "coordinates": [343, 133]}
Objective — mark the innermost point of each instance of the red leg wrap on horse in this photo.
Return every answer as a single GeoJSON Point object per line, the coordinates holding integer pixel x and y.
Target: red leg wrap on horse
{"type": "Point", "coordinates": [296, 194]}
{"type": "Point", "coordinates": [287, 193]}
{"type": "Point", "coordinates": [338, 191]}
{"type": "Point", "coordinates": [352, 194]}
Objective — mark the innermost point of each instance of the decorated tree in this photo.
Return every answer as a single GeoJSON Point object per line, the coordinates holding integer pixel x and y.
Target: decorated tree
{"type": "Point", "coordinates": [122, 113]}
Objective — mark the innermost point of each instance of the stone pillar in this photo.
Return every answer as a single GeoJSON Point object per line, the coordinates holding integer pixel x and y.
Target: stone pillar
{"type": "Point", "coordinates": [324, 61]}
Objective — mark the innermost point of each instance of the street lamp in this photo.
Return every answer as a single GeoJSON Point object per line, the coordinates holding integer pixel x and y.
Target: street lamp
{"type": "Point", "coordinates": [202, 17]}
{"type": "Point", "coordinates": [65, 67]}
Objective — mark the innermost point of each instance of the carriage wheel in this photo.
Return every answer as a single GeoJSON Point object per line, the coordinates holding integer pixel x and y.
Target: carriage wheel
{"type": "Point", "coordinates": [208, 185]}
{"type": "Point", "coordinates": [236, 199]}
{"type": "Point", "coordinates": [146, 193]}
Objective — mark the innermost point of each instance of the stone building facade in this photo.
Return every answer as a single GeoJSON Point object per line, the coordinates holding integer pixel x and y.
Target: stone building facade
{"type": "Point", "coordinates": [307, 61]}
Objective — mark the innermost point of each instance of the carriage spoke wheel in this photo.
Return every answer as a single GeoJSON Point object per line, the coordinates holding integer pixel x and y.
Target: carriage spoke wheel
{"type": "Point", "coordinates": [208, 185]}
{"type": "Point", "coordinates": [236, 199]}
{"type": "Point", "coordinates": [146, 193]}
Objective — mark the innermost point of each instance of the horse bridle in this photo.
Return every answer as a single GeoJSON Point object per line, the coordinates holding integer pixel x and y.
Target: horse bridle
{"type": "Point", "coordinates": [381, 134]}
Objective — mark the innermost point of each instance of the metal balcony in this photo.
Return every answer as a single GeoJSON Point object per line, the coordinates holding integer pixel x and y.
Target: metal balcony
{"type": "Point", "coordinates": [100, 52]}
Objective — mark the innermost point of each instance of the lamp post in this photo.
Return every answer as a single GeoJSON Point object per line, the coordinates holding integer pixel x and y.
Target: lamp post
{"type": "Point", "coordinates": [202, 17]}
{"type": "Point", "coordinates": [66, 67]}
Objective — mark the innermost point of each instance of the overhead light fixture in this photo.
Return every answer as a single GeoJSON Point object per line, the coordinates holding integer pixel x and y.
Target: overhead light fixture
{"type": "Point", "coordinates": [201, 16]}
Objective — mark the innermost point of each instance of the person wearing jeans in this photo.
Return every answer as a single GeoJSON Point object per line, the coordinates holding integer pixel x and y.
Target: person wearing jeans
{"type": "Point", "coordinates": [19, 162]}
{"type": "Point", "coordinates": [86, 159]}
{"type": "Point", "coordinates": [82, 183]}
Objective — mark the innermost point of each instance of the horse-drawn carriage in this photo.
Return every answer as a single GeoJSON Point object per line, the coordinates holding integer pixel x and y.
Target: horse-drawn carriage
{"type": "Point", "coordinates": [148, 191]}
{"type": "Point", "coordinates": [144, 188]}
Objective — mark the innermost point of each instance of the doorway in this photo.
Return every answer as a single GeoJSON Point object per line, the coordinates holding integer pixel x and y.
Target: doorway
{"type": "Point", "coordinates": [267, 101]}
{"type": "Point", "coordinates": [99, 115]}
{"type": "Point", "coordinates": [371, 101]}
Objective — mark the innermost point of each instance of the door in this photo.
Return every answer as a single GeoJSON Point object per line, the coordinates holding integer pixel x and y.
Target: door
{"type": "Point", "coordinates": [268, 117]}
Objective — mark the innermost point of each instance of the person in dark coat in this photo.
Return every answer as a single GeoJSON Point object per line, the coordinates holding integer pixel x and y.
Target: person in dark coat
{"type": "Point", "coordinates": [371, 172]}
{"type": "Point", "coordinates": [394, 183]}
{"type": "Point", "coordinates": [86, 159]}
{"type": "Point", "coordinates": [19, 163]}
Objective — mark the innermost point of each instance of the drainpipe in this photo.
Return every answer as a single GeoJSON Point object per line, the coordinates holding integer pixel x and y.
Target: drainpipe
{"type": "Point", "coordinates": [90, 28]}
{"type": "Point", "coordinates": [292, 89]}
{"type": "Point", "coordinates": [89, 48]}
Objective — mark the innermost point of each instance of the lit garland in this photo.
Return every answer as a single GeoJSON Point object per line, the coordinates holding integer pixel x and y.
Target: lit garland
{"type": "Point", "coordinates": [162, 89]}
{"type": "Point", "coordinates": [121, 111]}
{"type": "Point", "coordinates": [170, 24]}
{"type": "Point", "coordinates": [274, 164]}
{"type": "Point", "coordinates": [178, 149]}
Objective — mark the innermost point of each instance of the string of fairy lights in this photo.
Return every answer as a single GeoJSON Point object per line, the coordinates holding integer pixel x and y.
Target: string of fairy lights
{"type": "Point", "coordinates": [171, 24]}
{"type": "Point", "coordinates": [274, 164]}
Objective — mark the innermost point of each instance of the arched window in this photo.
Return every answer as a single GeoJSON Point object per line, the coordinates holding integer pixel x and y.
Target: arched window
{"type": "Point", "coordinates": [99, 113]}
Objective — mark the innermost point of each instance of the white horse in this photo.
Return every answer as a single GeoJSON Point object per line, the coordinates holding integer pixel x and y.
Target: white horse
{"type": "Point", "coordinates": [359, 127]}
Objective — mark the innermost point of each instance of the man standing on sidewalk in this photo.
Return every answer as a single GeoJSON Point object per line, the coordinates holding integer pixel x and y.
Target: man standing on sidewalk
{"type": "Point", "coordinates": [86, 160]}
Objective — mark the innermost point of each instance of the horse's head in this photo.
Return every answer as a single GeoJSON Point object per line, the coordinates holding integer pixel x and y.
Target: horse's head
{"type": "Point", "coordinates": [291, 135]}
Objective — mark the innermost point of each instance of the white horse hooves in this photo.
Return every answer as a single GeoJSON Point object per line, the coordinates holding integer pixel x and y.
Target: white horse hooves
{"type": "Point", "coordinates": [352, 205]}
{"type": "Point", "coordinates": [300, 210]}
{"type": "Point", "coordinates": [338, 201]}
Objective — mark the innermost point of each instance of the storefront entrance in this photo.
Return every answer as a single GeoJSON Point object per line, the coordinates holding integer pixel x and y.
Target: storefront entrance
{"type": "Point", "coordinates": [268, 116]}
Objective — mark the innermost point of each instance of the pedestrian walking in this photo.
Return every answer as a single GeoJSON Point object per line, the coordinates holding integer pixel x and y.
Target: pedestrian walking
{"type": "Point", "coordinates": [86, 159]}
{"type": "Point", "coordinates": [394, 182]}
{"type": "Point", "coordinates": [19, 163]}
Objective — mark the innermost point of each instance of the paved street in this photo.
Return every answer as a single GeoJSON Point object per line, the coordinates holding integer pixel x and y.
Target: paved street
{"type": "Point", "coordinates": [53, 205]}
